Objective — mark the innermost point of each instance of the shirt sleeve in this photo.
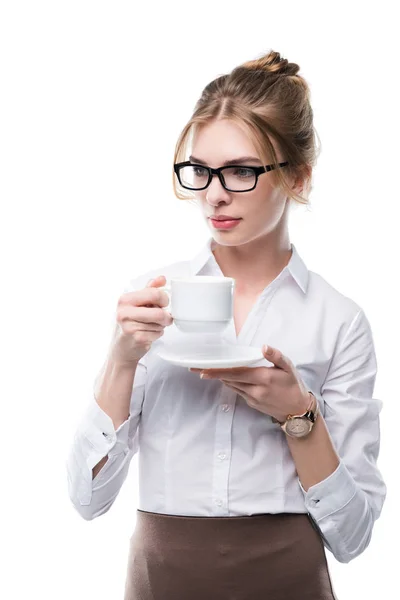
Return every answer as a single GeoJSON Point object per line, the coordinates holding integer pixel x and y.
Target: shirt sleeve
{"type": "Point", "coordinates": [345, 505]}
{"type": "Point", "coordinates": [96, 437]}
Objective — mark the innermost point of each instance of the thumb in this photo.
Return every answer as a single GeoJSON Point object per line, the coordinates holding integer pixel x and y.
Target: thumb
{"type": "Point", "coordinates": [157, 281]}
{"type": "Point", "coordinates": [276, 357]}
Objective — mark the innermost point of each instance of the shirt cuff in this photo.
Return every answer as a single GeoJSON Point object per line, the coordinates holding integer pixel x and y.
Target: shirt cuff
{"type": "Point", "coordinates": [331, 494]}
{"type": "Point", "coordinates": [101, 434]}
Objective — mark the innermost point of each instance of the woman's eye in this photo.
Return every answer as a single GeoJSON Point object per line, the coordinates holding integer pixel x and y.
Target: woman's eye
{"type": "Point", "coordinates": [241, 172]}
{"type": "Point", "coordinates": [199, 171]}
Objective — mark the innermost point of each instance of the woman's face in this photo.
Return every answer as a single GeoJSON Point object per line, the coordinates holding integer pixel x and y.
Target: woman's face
{"type": "Point", "coordinates": [260, 210]}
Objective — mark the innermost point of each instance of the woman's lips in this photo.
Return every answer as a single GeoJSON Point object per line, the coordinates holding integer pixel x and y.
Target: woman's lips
{"type": "Point", "coordinates": [225, 224]}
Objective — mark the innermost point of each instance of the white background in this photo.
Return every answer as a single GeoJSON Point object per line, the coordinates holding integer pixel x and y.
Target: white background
{"type": "Point", "coordinates": [93, 97]}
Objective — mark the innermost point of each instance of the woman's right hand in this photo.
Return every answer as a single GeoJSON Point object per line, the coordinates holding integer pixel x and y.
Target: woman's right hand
{"type": "Point", "coordinates": [141, 320]}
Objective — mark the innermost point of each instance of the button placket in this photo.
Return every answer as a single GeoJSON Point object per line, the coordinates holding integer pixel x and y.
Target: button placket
{"type": "Point", "coordinates": [222, 449]}
{"type": "Point", "coordinates": [260, 309]}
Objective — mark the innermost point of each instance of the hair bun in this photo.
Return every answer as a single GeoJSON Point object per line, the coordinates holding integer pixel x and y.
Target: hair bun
{"type": "Point", "coordinates": [272, 63]}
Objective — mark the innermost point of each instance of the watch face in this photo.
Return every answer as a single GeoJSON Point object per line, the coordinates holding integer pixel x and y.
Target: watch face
{"type": "Point", "coordinates": [298, 427]}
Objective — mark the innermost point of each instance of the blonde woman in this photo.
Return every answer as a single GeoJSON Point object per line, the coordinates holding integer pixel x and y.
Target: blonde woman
{"type": "Point", "coordinates": [249, 474]}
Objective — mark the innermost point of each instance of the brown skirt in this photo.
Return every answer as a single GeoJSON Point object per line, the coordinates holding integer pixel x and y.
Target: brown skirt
{"type": "Point", "coordinates": [265, 556]}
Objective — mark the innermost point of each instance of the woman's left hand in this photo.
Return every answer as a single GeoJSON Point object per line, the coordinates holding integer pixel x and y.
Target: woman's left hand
{"type": "Point", "coordinates": [276, 391]}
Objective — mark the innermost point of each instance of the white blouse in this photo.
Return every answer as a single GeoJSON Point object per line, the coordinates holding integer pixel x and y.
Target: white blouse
{"type": "Point", "coordinates": [204, 452]}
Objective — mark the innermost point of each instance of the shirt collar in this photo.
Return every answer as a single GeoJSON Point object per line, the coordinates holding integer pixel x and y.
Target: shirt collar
{"type": "Point", "coordinates": [296, 266]}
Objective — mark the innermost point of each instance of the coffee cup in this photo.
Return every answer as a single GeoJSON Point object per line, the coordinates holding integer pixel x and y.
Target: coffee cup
{"type": "Point", "coordinates": [200, 303]}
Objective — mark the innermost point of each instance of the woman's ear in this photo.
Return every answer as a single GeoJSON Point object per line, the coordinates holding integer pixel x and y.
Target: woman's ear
{"type": "Point", "coordinates": [301, 179]}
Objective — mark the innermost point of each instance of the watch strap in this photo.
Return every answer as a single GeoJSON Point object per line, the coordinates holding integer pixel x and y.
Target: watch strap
{"type": "Point", "coordinates": [310, 414]}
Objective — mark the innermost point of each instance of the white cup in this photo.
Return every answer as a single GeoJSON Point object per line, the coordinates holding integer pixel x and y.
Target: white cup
{"type": "Point", "coordinates": [200, 304]}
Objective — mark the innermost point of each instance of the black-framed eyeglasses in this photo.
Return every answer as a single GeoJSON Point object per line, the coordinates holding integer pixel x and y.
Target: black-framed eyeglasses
{"type": "Point", "coordinates": [236, 178]}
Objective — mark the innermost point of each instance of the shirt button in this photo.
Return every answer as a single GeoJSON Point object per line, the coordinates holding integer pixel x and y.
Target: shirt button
{"type": "Point", "coordinates": [218, 502]}
{"type": "Point", "coordinates": [221, 455]}
{"type": "Point", "coordinates": [225, 407]}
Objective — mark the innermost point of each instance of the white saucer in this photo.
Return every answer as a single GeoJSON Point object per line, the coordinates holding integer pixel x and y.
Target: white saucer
{"type": "Point", "coordinates": [212, 356]}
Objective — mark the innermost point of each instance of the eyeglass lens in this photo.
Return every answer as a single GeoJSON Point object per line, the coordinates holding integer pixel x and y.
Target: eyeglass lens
{"type": "Point", "coordinates": [236, 178]}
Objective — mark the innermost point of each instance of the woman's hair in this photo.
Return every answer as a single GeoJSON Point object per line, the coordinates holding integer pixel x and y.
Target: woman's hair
{"type": "Point", "coordinates": [267, 99]}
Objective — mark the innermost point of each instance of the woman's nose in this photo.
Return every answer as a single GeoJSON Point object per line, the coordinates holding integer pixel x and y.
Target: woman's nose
{"type": "Point", "coordinates": [216, 191]}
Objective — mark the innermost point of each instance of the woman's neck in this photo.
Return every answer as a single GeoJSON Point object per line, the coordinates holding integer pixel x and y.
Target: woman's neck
{"type": "Point", "coordinates": [253, 266]}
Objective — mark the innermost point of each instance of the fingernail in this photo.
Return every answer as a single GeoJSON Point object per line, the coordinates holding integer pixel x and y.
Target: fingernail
{"type": "Point", "coordinates": [205, 376]}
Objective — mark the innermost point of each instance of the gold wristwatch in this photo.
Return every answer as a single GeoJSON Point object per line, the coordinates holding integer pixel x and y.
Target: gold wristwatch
{"type": "Point", "coordinates": [299, 426]}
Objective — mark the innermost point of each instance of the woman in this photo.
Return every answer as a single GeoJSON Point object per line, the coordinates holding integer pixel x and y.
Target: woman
{"type": "Point", "coordinates": [247, 477]}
